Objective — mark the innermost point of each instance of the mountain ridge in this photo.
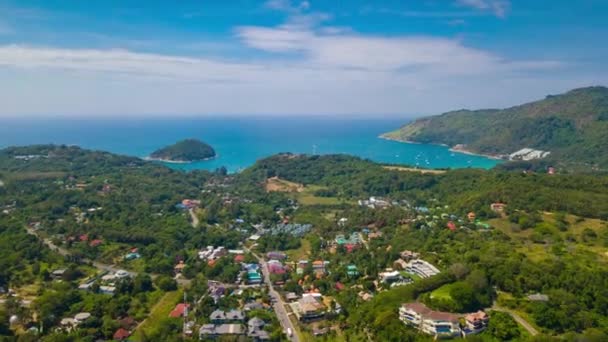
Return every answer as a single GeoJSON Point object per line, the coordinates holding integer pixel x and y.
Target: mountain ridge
{"type": "Point", "coordinates": [573, 126]}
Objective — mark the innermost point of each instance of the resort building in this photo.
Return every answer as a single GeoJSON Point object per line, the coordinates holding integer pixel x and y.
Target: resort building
{"type": "Point", "coordinates": [421, 268]}
{"type": "Point", "coordinates": [436, 323]}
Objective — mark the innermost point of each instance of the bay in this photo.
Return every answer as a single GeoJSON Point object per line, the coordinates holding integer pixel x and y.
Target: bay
{"type": "Point", "coordinates": [239, 141]}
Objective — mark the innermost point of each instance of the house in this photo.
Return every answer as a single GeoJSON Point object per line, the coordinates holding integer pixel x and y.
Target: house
{"type": "Point", "coordinates": [400, 264]}
{"type": "Point", "coordinates": [275, 267]}
{"type": "Point", "coordinates": [239, 258]}
{"type": "Point", "coordinates": [179, 267]}
{"type": "Point", "coordinates": [253, 273]}
{"type": "Point", "coordinates": [339, 286]}
{"type": "Point", "coordinates": [308, 307]}
{"type": "Point", "coordinates": [318, 267]}
{"type": "Point", "coordinates": [421, 268]}
{"type": "Point", "coordinates": [390, 276]}
{"type": "Point", "coordinates": [276, 256]}
{"type": "Point", "coordinates": [107, 289]}
{"type": "Point", "coordinates": [180, 310]}
{"type": "Point", "coordinates": [471, 216]}
{"type": "Point", "coordinates": [291, 296]}
{"type": "Point", "coordinates": [81, 317]}
{"type": "Point", "coordinates": [451, 226]}
{"type": "Point", "coordinates": [253, 306]}
{"type": "Point", "coordinates": [95, 243]}
{"type": "Point", "coordinates": [302, 265]}
{"type": "Point", "coordinates": [498, 207]}
{"type": "Point", "coordinates": [365, 295]}
{"type": "Point", "coordinates": [121, 334]}
{"type": "Point", "coordinates": [436, 323]}
{"type": "Point", "coordinates": [58, 274]}
{"type": "Point", "coordinates": [352, 271]}
{"type": "Point", "coordinates": [212, 330]}
{"type": "Point", "coordinates": [127, 323]}
{"type": "Point", "coordinates": [475, 322]}
{"type": "Point", "coordinates": [132, 256]}
{"type": "Point", "coordinates": [408, 255]}
{"type": "Point", "coordinates": [232, 316]}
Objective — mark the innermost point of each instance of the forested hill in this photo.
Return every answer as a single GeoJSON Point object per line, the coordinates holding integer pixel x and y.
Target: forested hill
{"type": "Point", "coordinates": [572, 126]}
{"type": "Point", "coordinates": [185, 151]}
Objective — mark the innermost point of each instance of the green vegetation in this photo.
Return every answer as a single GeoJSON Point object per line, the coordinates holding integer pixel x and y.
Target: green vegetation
{"type": "Point", "coordinates": [572, 126]}
{"type": "Point", "coordinates": [551, 239]}
{"type": "Point", "coordinates": [188, 150]}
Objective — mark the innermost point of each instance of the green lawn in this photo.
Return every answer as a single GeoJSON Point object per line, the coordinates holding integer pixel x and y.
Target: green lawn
{"type": "Point", "coordinates": [442, 292]}
{"type": "Point", "coordinates": [158, 312]}
{"type": "Point", "coordinates": [307, 197]}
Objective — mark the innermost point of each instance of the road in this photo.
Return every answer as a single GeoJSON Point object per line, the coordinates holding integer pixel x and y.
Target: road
{"type": "Point", "coordinates": [517, 318]}
{"type": "Point", "coordinates": [278, 304]}
{"type": "Point", "coordinates": [194, 218]}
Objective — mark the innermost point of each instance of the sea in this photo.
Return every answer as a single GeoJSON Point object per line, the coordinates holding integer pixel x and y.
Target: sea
{"type": "Point", "coordinates": [239, 141]}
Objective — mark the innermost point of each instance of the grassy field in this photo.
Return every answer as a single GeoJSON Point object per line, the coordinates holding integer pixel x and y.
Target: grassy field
{"type": "Point", "coordinates": [307, 197]}
{"type": "Point", "coordinates": [442, 292]}
{"type": "Point", "coordinates": [573, 237]}
{"type": "Point", "coordinates": [158, 312]}
{"type": "Point", "coordinates": [282, 185]}
{"type": "Point", "coordinates": [301, 253]}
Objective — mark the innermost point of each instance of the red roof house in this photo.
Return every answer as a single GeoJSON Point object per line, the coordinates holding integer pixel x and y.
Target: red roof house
{"type": "Point", "coordinates": [239, 258]}
{"type": "Point", "coordinates": [451, 226]}
{"type": "Point", "coordinates": [339, 286]}
{"type": "Point", "coordinates": [179, 310]}
{"type": "Point", "coordinates": [95, 243]}
{"type": "Point", "coordinates": [121, 334]}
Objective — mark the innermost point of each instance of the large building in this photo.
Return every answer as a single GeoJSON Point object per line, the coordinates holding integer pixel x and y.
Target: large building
{"type": "Point", "coordinates": [436, 323]}
{"type": "Point", "coordinates": [421, 268]}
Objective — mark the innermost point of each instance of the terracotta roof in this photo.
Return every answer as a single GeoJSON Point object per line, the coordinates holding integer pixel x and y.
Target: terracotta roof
{"type": "Point", "coordinates": [179, 310]}
{"type": "Point", "coordinates": [121, 334]}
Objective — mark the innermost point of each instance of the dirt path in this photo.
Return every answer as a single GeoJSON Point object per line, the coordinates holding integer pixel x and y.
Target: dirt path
{"type": "Point", "coordinates": [194, 218]}
{"type": "Point", "coordinates": [531, 330]}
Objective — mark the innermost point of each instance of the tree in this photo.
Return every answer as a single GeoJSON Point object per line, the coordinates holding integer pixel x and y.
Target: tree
{"type": "Point", "coordinates": [502, 326]}
{"type": "Point", "coordinates": [166, 283]}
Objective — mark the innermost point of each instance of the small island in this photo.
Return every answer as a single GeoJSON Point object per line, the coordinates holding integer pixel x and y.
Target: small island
{"type": "Point", "coordinates": [185, 151]}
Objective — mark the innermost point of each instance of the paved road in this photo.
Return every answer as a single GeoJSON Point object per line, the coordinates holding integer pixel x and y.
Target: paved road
{"type": "Point", "coordinates": [278, 304]}
{"type": "Point", "coordinates": [517, 318]}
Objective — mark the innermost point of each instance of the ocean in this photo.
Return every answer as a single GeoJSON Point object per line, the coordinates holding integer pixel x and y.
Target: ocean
{"type": "Point", "coordinates": [239, 141]}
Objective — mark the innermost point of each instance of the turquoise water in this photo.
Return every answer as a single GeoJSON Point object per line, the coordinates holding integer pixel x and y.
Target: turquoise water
{"type": "Point", "coordinates": [239, 142]}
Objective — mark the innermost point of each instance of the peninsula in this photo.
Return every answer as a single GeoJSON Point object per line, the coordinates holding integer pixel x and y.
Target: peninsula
{"type": "Point", "coordinates": [569, 130]}
{"type": "Point", "coordinates": [185, 151]}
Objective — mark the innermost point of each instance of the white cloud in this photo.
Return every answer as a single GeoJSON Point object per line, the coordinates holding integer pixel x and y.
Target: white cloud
{"type": "Point", "coordinates": [337, 74]}
{"type": "Point", "coordinates": [498, 7]}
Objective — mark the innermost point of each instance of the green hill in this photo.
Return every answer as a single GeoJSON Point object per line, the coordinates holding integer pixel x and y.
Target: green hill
{"type": "Point", "coordinates": [572, 126]}
{"type": "Point", "coordinates": [185, 151]}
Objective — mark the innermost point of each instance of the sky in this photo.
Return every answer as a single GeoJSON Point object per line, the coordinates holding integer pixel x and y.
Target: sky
{"type": "Point", "coordinates": [293, 57]}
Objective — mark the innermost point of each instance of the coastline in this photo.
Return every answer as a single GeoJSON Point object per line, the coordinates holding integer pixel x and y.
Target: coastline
{"type": "Point", "coordinates": [451, 149]}
{"type": "Point", "coordinates": [170, 161]}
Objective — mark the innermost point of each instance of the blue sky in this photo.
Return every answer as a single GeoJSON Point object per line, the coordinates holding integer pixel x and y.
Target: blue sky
{"type": "Point", "coordinates": [282, 57]}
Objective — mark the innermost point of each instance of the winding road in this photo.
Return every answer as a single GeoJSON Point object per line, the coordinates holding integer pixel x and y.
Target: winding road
{"type": "Point", "coordinates": [531, 330]}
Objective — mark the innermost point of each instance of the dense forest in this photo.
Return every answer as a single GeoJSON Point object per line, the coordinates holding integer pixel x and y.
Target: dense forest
{"type": "Point", "coordinates": [185, 151]}
{"type": "Point", "coordinates": [572, 126]}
